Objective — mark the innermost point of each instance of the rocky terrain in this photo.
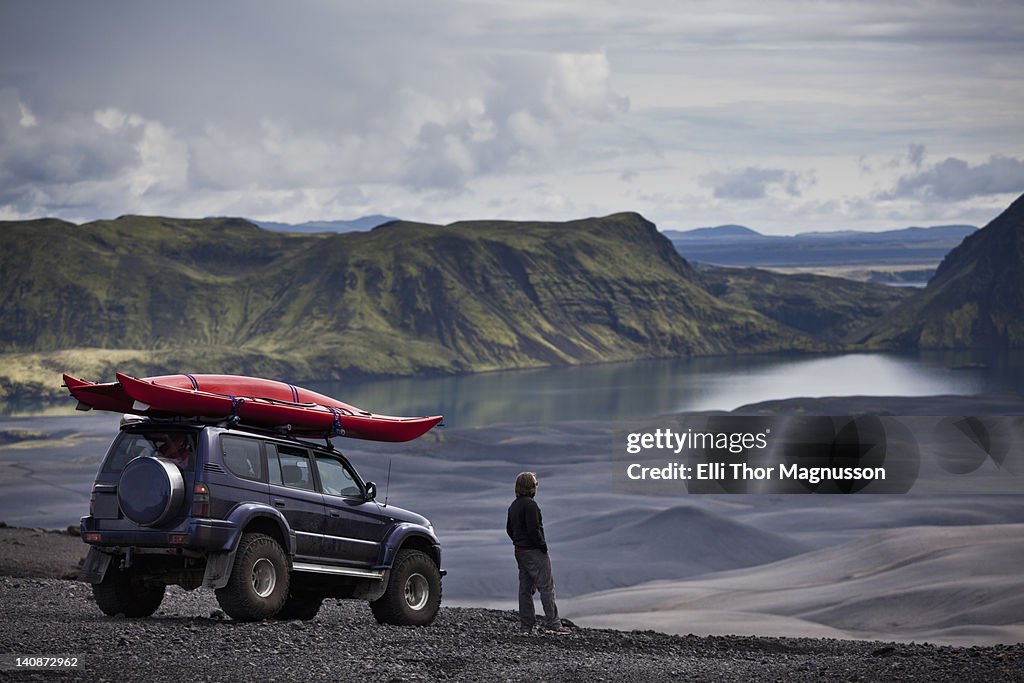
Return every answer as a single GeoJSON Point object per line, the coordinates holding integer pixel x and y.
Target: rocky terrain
{"type": "Point", "coordinates": [189, 638]}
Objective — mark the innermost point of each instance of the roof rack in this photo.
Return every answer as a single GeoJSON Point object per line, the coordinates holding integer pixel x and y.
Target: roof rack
{"type": "Point", "coordinates": [279, 431]}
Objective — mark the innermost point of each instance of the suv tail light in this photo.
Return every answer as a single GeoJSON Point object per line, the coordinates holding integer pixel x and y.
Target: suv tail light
{"type": "Point", "coordinates": [200, 500]}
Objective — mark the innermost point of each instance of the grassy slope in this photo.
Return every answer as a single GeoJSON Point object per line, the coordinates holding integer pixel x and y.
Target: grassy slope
{"type": "Point", "coordinates": [829, 308]}
{"type": "Point", "coordinates": [222, 295]}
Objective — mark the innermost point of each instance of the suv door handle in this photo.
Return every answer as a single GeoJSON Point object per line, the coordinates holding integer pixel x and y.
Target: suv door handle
{"type": "Point", "coordinates": [334, 513]}
{"type": "Point", "coordinates": [279, 503]}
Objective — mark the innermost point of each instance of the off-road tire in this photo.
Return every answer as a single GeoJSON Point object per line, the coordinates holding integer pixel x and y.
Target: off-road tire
{"type": "Point", "coordinates": [123, 592]}
{"type": "Point", "coordinates": [258, 585]}
{"type": "Point", "coordinates": [303, 607]}
{"type": "Point", "coordinates": [413, 595]}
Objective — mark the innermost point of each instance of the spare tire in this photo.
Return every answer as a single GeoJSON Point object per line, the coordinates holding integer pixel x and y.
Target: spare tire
{"type": "Point", "coordinates": [150, 491]}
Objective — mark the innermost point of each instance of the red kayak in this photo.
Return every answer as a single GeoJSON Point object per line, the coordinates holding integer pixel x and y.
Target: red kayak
{"type": "Point", "coordinates": [250, 400]}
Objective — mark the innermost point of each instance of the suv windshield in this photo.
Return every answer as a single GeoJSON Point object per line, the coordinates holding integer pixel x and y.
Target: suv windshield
{"type": "Point", "coordinates": [177, 446]}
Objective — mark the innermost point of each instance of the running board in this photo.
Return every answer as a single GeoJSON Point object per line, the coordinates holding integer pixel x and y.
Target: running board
{"type": "Point", "coordinates": [342, 571]}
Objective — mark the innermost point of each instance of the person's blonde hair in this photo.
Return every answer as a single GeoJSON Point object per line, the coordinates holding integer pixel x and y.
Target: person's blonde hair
{"type": "Point", "coordinates": [526, 484]}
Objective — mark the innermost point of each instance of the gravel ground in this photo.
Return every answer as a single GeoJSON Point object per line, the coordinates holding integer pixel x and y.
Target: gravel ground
{"type": "Point", "coordinates": [190, 639]}
{"type": "Point", "coordinates": [40, 553]}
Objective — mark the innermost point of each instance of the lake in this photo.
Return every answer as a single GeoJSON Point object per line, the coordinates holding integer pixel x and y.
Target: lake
{"type": "Point", "coordinates": [621, 390]}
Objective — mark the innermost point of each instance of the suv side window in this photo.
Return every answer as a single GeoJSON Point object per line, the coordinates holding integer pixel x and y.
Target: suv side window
{"type": "Point", "coordinates": [289, 467]}
{"type": "Point", "coordinates": [242, 457]}
{"type": "Point", "coordinates": [335, 477]}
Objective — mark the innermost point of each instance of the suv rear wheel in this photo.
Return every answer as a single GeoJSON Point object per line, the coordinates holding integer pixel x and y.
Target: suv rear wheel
{"type": "Point", "coordinates": [123, 592]}
{"type": "Point", "coordinates": [413, 595]}
{"type": "Point", "coordinates": [258, 585]}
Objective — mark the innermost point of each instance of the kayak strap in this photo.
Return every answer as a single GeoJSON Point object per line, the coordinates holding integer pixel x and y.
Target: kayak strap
{"type": "Point", "coordinates": [336, 429]}
{"type": "Point", "coordinates": [236, 407]}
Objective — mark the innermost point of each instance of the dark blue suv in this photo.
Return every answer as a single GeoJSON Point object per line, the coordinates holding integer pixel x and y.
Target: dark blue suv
{"type": "Point", "coordinates": [274, 524]}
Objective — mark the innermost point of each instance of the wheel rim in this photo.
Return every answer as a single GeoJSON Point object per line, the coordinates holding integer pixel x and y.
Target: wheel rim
{"type": "Point", "coordinates": [417, 591]}
{"type": "Point", "coordinates": [264, 578]}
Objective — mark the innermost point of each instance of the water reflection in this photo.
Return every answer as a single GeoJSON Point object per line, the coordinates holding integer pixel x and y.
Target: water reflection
{"type": "Point", "coordinates": [620, 390]}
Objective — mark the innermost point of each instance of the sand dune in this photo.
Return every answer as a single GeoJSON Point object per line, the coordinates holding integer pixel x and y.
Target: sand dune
{"type": "Point", "coordinates": [944, 584]}
{"type": "Point", "coordinates": [612, 550]}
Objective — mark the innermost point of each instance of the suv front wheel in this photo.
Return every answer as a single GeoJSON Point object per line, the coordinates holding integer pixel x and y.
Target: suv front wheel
{"type": "Point", "coordinates": [258, 585]}
{"type": "Point", "coordinates": [413, 595]}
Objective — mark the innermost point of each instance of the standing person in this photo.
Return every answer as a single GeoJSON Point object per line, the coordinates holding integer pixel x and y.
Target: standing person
{"type": "Point", "coordinates": [526, 529]}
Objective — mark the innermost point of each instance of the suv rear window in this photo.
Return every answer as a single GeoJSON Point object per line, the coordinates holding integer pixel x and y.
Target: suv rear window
{"type": "Point", "coordinates": [177, 446]}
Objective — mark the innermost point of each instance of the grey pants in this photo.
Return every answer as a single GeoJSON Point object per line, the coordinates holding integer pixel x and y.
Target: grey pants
{"type": "Point", "coordinates": [535, 575]}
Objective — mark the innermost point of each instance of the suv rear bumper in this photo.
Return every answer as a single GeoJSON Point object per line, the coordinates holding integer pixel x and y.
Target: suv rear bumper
{"type": "Point", "coordinates": [209, 535]}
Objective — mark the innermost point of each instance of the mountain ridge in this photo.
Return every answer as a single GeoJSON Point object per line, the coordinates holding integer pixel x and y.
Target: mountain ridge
{"type": "Point", "coordinates": [224, 295]}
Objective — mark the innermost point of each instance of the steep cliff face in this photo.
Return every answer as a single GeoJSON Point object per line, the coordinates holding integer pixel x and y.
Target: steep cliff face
{"type": "Point", "coordinates": [976, 298]}
{"type": "Point", "coordinates": [400, 299]}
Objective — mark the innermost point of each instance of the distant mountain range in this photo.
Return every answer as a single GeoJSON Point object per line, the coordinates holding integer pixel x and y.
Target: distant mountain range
{"type": "Point", "coordinates": [355, 225]}
{"type": "Point", "coordinates": [736, 245]}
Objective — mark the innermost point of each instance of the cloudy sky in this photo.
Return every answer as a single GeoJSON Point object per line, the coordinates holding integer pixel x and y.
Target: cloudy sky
{"type": "Point", "coordinates": [783, 116]}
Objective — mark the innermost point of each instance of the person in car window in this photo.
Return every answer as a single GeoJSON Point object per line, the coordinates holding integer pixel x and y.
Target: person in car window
{"type": "Point", "coordinates": [525, 527]}
{"type": "Point", "coordinates": [176, 448]}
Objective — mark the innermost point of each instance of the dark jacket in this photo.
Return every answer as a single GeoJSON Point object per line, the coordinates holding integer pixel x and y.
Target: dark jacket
{"type": "Point", "coordinates": [525, 525]}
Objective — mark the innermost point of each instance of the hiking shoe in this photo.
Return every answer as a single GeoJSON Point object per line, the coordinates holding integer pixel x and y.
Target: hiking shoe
{"type": "Point", "coordinates": [524, 632]}
{"type": "Point", "coordinates": [557, 631]}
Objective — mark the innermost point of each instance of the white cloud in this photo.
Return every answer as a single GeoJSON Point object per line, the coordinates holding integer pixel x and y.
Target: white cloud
{"type": "Point", "coordinates": [753, 182]}
{"type": "Point", "coordinates": [955, 179]}
{"type": "Point", "coordinates": [28, 119]}
{"type": "Point", "coordinates": [78, 163]}
{"type": "Point", "coordinates": [110, 118]}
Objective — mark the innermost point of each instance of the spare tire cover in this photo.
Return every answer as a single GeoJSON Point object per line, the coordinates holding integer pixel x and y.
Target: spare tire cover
{"type": "Point", "coordinates": [150, 491]}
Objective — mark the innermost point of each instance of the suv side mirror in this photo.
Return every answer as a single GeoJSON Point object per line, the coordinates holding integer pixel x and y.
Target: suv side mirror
{"type": "Point", "coordinates": [371, 490]}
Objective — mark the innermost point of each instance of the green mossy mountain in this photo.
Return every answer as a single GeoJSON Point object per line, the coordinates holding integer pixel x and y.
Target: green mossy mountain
{"type": "Point", "coordinates": [154, 295]}
{"type": "Point", "coordinates": [975, 300]}
{"type": "Point", "coordinates": [828, 308]}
